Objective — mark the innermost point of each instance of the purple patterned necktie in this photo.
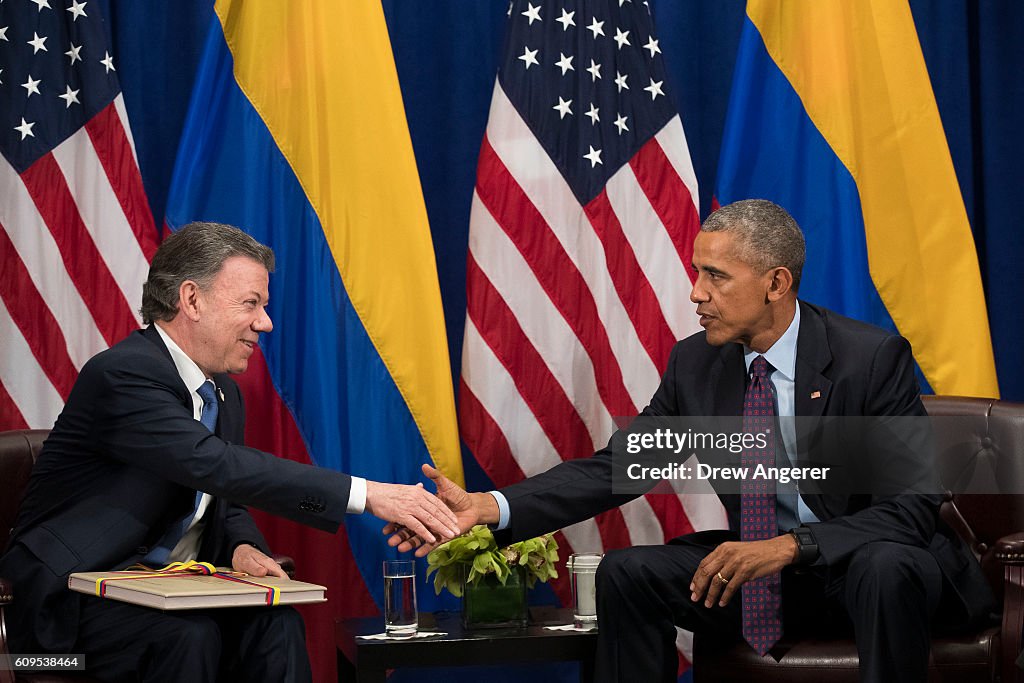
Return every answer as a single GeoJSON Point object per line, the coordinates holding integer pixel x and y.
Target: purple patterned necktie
{"type": "Point", "coordinates": [762, 598]}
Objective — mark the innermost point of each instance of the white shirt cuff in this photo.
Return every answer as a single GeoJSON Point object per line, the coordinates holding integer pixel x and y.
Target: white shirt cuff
{"type": "Point", "coordinates": [504, 514]}
{"type": "Point", "coordinates": [357, 496]}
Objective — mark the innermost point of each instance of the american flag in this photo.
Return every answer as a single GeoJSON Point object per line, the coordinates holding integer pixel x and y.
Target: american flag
{"type": "Point", "coordinates": [76, 232]}
{"type": "Point", "coordinates": [581, 235]}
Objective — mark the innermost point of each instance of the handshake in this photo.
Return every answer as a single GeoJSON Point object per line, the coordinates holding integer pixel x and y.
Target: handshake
{"type": "Point", "coordinates": [420, 520]}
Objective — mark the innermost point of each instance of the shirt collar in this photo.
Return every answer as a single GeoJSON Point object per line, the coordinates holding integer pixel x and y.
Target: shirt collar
{"type": "Point", "coordinates": [189, 372]}
{"type": "Point", "coordinates": [782, 354]}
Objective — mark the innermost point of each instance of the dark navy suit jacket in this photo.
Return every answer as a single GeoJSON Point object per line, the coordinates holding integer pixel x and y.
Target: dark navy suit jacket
{"type": "Point", "coordinates": [850, 369]}
{"type": "Point", "coordinates": [122, 462]}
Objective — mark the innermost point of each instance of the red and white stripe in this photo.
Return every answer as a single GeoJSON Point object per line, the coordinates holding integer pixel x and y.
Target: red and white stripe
{"type": "Point", "coordinates": [571, 313]}
{"type": "Point", "coordinates": [76, 237]}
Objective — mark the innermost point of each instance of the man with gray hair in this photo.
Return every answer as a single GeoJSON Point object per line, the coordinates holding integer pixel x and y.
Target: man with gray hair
{"type": "Point", "coordinates": [884, 562]}
{"type": "Point", "coordinates": [146, 465]}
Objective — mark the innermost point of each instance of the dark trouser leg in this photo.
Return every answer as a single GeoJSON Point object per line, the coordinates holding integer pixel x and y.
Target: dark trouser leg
{"type": "Point", "coordinates": [891, 592]}
{"type": "Point", "coordinates": [264, 644]}
{"type": "Point", "coordinates": [123, 642]}
{"type": "Point", "coordinates": [642, 594]}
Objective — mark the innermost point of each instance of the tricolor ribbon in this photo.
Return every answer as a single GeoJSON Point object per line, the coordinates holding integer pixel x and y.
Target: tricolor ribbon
{"type": "Point", "coordinates": [190, 568]}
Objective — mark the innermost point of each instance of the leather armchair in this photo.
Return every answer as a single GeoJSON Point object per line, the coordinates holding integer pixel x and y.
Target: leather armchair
{"type": "Point", "coordinates": [985, 443]}
{"type": "Point", "coordinates": [18, 451]}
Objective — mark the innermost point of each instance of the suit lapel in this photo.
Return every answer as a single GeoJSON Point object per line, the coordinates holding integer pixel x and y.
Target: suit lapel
{"type": "Point", "coordinates": [228, 417]}
{"type": "Point", "coordinates": [813, 356]}
{"type": "Point", "coordinates": [813, 392]}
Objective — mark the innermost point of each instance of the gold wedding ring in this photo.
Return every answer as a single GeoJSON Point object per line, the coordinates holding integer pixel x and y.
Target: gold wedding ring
{"type": "Point", "coordinates": [722, 578]}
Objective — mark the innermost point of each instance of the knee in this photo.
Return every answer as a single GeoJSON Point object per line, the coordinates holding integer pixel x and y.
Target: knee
{"type": "Point", "coordinates": [201, 634]}
{"type": "Point", "coordinates": [619, 568]}
{"type": "Point", "coordinates": [198, 636]}
{"type": "Point", "coordinates": [883, 568]}
{"type": "Point", "coordinates": [283, 626]}
{"type": "Point", "coordinates": [289, 623]}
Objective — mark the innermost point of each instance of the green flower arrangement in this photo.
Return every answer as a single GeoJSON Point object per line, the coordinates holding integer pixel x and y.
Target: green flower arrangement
{"type": "Point", "coordinates": [475, 556]}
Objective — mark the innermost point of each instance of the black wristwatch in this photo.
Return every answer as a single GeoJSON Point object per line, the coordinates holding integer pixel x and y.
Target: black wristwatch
{"type": "Point", "coordinates": [807, 547]}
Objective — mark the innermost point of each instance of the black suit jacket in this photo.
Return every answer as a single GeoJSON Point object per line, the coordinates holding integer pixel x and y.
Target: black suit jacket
{"type": "Point", "coordinates": [856, 370]}
{"type": "Point", "coordinates": [122, 462]}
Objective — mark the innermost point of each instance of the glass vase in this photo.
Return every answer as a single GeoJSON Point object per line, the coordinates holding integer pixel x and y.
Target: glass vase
{"type": "Point", "coordinates": [489, 604]}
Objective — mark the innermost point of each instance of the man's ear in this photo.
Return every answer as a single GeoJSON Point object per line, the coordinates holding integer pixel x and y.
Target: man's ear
{"type": "Point", "coordinates": [188, 300]}
{"type": "Point", "coordinates": [781, 283]}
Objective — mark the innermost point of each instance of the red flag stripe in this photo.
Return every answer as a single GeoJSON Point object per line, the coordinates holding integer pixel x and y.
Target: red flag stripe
{"type": "Point", "coordinates": [30, 389]}
{"type": "Point", "coordinates": [672, 140]}
{"type": "Point", "coordinates": [510, 274]}
{"type": "Point", "coordinates": [484, 438]}
{"type": "Point", "coordinates": [84, 263]}
{"type": "Point", "coordinates": [556, 273]}
{"type": "Point", "coordinates": [490, 382]}
{"type": "Point", "coordinates": [102, 215]}
{"type": "Point", "coordinates": [39, 252]}
{"type": "Point", "coordinates": [10, 416]}
{"type": "Point", "coordinates": [663, 188]}
{"type": "Point", "coordinates": [33, 318]}
{"type": "Point", "coordinates": [115, 153]}
{"type": "Point", "coordinates": [654, 251]}
{"type": "Point", "coordinates": [540, 180]}
{"type": "Point", "coordinates": [541, 392]}
{"type": "Point", "coordinates": [630, 282]}
{"type": "Point", "coordinates": [671, 514]}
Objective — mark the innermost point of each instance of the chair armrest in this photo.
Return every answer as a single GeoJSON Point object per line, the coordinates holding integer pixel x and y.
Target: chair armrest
{"type": "Point", "coordinates": [287, 564]}
{"type": "Point", "coordinates": [1009, 550]}
{"type": "Point", "coordinates": [6, 597]}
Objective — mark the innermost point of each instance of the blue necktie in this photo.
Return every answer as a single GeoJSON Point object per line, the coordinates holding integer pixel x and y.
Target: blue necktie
{"type": "Point", "coordinates": [160, 553]}
{"type": "Point", "coordinates": [208, 392]}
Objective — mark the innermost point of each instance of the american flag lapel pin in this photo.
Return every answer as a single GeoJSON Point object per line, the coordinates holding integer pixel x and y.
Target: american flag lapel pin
{"type": "Point", "coordinates": [815, 394]}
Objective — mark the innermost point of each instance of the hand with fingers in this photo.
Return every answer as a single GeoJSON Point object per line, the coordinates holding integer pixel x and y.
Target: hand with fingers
{"type": "Point", "coordinates": [251, 560]}
{"type": "Point", "coordinates": [730, 565]}
{"type": "Point", "coordinates": [469, 509]}
{"type": "Point", "coordinates": [412, 508]}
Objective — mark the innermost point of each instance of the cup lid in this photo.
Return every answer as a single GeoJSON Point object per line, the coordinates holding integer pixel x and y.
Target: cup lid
{"type": "Point", "coordinates": [584, 561]}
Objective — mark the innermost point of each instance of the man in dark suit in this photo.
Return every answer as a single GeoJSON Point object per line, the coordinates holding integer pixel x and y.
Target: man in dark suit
{"type": "Point", "coordinates": [882, 560]}
{"type": "Point", "coordinates": [146, 465]}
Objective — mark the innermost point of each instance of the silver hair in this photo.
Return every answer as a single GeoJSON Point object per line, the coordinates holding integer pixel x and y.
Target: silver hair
{"type": "Point", "coordinates": [197, 252]}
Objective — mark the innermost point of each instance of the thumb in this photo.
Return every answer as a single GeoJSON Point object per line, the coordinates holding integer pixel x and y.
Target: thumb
{"type": "Point", "coordinates": [434, 474]}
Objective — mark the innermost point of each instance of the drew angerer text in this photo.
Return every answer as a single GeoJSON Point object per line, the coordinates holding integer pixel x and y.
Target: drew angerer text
{"type": "Point", "coordinates": [681, 472]}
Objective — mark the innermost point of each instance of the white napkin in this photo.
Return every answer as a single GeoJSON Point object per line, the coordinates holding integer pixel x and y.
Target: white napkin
{"type": "Point", "coordinates": [418, 634]}
{"type": "Point", "coordinates": [570, 627]}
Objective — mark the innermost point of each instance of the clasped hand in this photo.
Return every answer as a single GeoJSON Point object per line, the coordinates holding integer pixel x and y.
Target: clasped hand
{"type": "Point", "coordinates": [466, 511]}
{"type": "Point", "coordinates": [413, 508]}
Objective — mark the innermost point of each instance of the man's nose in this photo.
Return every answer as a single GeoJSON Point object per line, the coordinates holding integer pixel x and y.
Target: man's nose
{"type": "Point", "coordinates": [698, 294]}
{"type": "Point", "coordinates": [263, 323]}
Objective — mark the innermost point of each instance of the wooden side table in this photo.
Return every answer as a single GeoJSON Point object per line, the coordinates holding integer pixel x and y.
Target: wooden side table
{"type": "Point", "coordinates": [369, 660]}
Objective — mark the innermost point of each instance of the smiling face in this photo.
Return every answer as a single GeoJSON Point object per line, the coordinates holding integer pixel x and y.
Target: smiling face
{"type": "Point", "coordinates": [230, 315]}
{"type": "Point", "coordinates": [735, 303]}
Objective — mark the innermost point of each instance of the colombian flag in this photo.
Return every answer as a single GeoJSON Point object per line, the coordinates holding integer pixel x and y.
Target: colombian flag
{"type": "Point", "coordinates": [833, 117]}
{"type": "Point", "coordinates": [297, 134]}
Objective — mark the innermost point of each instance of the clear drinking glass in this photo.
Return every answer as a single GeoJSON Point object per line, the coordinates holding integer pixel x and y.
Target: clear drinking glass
{"type": "Point", "coordinates": [583, 572]}
{"type": "Point", "coordinates": [400, 597]}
